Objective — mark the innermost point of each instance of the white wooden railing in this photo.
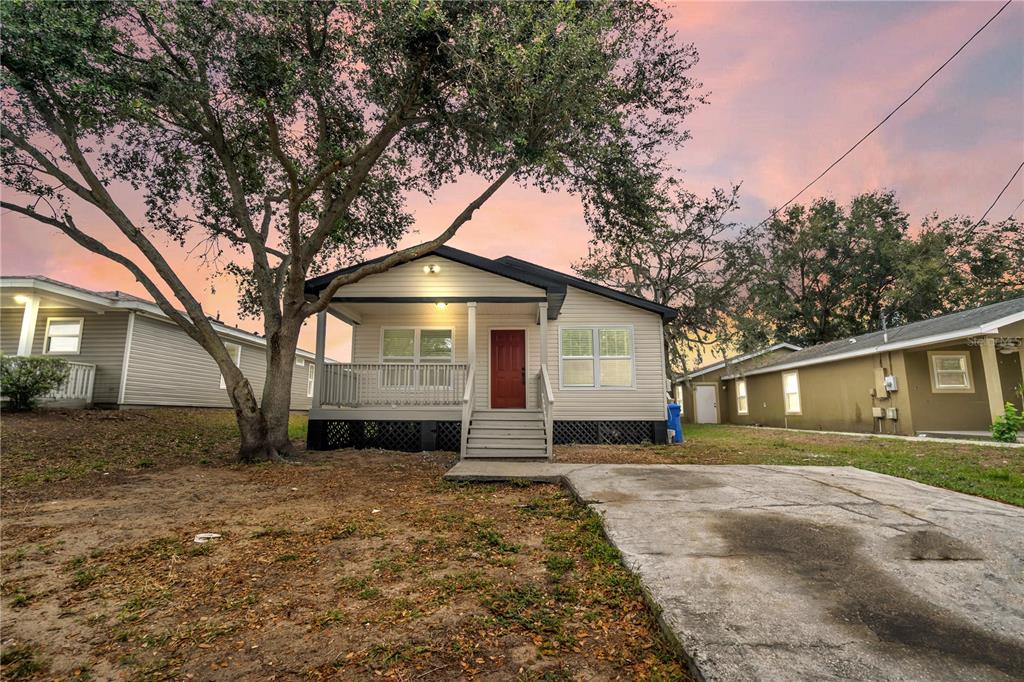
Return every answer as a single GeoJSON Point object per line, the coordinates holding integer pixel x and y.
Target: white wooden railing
{"type": "Point", "coordinates": [376, 384]}
{"type": "Point", "coordinates": [78, 385]}
{"type": "Point", "coordinates": [546, 397]}
{"type": "Point", "coordinates": [467, 409]}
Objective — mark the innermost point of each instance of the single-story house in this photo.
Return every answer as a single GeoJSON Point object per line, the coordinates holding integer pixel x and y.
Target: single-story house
{"type": "Point", "coordinates": [951, 374]}
{"type": "Point", "coordinates": [701, 392]}
{"type": "Point", "coordinates": [124, 351]}
{"type": "Point", "coordinates": [492, 358]}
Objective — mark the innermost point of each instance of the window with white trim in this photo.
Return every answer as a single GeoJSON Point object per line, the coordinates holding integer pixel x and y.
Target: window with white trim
{"type": "Point", "coordinates": [63, 336]}
{"type": "Point", "coordinates": [791, 392]}
{"type": "Point", "coordinates": [741, 396]}
{"type": "Point", "coordinates": [596, 357]}
{"type": "Point", "coordinates": [300, 361]}
{"type": "Point", "coordinates": [311, 372]}
{"type": "Point", "coordinates": [416, 346]}
{"type": "Point", "coordinates": [951, 371]}
{"type": "Point", "coordinates": [235, 351]}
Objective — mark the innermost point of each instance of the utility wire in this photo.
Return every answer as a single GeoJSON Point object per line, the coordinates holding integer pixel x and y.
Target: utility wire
{"type": "Point", "coordinates": [1015, 209]}
{"type": "Point", "coordinates": [888, 116]}
{"type": "Point", "coordinates": [998, 197]}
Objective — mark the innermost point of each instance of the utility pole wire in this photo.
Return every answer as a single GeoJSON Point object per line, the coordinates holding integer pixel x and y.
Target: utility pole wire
{"type": "Point", "coordinates": [998, 197]}
{"type": "Point", "coordinates": [888, 116]}
{"type": "Point", "coordinates": [1015, 208]}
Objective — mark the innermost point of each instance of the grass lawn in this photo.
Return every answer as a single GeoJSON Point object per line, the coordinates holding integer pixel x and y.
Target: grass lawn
{"type": "Point", "coordinates": [356, 565]}
{"type": "Point", "coordinates": [993, 472]}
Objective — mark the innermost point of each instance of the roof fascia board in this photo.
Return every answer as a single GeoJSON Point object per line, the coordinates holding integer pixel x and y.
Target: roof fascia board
{"type": "Point", "coordinates": [742, 358]}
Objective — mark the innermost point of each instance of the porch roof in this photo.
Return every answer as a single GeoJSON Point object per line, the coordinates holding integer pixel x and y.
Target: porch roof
{"type": "Point", "coordinates": [553, 283]}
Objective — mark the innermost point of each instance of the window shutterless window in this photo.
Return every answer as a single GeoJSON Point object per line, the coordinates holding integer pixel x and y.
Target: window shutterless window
{"type": "Point", "coordinates": [63, 336]}
{"type": "Point", "coordinates": [416, 345]}
{"type": "Point", "coordinates": [235, 351]}
{"type": "Point", "coordinates": [951, 371]}
{"type": "Point", "coordinates": [596, 357]}
{"type": "Point", "coordinates": [311, 371]}
{"type": "Point", "coordinates": [791, 392]}
{"type": "Point", "coordinates": [741, 396]}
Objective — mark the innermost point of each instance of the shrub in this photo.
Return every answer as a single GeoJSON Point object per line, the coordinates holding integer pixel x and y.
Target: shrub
{"type": "Point", "coordinates": [1005, 428]}
{"type": "Point", "coordinates": [24, 380]}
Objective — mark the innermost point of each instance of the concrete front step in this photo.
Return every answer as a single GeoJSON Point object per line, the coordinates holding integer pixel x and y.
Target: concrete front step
{"type": "Point", "coordinates": [503, 443]}
{"type": "Point", "coordinates": [517, 454]}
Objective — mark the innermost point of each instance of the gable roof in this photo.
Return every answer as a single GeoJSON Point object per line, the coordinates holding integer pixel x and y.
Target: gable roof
{"type": "Point", "coordinates": [553, 282]}
{"type": "Point", "coordinates": [117, 300]}
{"type": "Point", "coordinates": [973, 322]}
{"type": "Point", "coordinates": [735, 359]}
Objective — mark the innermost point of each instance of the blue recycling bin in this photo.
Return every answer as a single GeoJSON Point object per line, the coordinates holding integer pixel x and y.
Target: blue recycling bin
{"type": "Point", "coordinates": [674, 422]}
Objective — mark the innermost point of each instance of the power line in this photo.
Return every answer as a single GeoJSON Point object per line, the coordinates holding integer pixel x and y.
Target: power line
{"type": "Point", "coordinates": [998, 197]}
{"type": "Point", "coordinates": [1015, 209]}
{"type": "Point", "coordinates": [889, 115]}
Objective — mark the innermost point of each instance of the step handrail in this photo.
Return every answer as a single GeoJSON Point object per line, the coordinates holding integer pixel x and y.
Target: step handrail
{"type": "Point", "coordinates": [547, 402]}
{"type": "Point", "coordinates": [467, 409]}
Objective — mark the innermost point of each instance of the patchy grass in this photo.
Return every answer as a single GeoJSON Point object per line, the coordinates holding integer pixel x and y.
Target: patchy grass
{"type": "Point", "coordinates": [50, 447]}
{"type": "Point", "coordinates": [356, 565]}
{"type": "Point", "coordinates": [992, 472]}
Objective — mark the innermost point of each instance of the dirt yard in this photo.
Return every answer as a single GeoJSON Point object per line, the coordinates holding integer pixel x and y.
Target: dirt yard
{"type": "Point", "coordinates": [355, 565]}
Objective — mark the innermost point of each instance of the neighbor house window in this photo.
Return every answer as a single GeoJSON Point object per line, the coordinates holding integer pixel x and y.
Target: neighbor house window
{"type": "Point", "coordinates": [416, 345]}
{"type": "Point", "coordinates": [235, 351]}
{"type": "Point", "coordinates": [791, 392]}
{"type": "Point", "coordinates": [600, 357]}
{"type": "Point", "coordinates": [310, 375]}
{"type": "Point", "coordinates": [63, 336]}
{"type": "Point", "coordinates": [300, 361]}
{"type": "Point", "coordinates": [951, 372]}
{"type": "Point", "coordinates": [741, 396]}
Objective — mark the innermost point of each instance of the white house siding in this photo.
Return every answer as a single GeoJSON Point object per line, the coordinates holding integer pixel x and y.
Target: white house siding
{"type": "Point", "coordinates": [102, 343]}
{"type": "Point", "coordinates": [646, 401]}
{"type": "Point", "coordinates": [166, 367]}
{"type": "Point", "coordinates": [453, 280]}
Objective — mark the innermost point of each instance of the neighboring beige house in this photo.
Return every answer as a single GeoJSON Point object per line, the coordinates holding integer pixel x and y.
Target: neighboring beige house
{"type": "Point", "coordinates": [702, 392]}
{"type": "Point", "coordinates": [950, 375]}
{"type": "Point", "coordinates": [493, 358]}
{"type": "Point", "coordinates": [124, 351]}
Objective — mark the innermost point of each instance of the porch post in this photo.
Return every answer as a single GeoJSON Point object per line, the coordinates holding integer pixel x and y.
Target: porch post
{"type": "Point", "coordinates": [28, 326]}
{"type": "Point", "coordinates": [321, 342]}
{"type": "Point", "coordinates": [994, 388]}
{"type": "Point", "coordinates": [471, 333]}
{"type": "Point", "coordinates": [542, 310]}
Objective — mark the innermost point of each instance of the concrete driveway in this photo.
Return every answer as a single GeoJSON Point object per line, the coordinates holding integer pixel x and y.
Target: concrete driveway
{"type": "Point", "coordinates": [823, 573]}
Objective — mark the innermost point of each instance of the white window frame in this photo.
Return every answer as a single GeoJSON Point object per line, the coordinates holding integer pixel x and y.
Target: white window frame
{"type": "Point", "coordinates": [933, 371]}
{"type": "Point", "coordinates": [799, 397]}
{"type": "Point", "coordinates": [596, 357]}
{"type": "Point", "coordinates": [416, 359]}
{"type": "Point", "coordinates": [310, 377]}
{"type": "Point", "coordinates": [237, 359]}
{"type": "Point", "coordinates": [300, 361]}
{"type": "Point", "coordinates": [47, 337]}
{"type": "Point", "coordinates": [743, 408]}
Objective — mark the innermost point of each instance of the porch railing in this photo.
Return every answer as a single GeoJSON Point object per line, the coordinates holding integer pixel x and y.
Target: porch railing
{"type": "Point", "coordinates": [387, 384]}
{"type": "Point", "coordinates": [547, 403]}
{"type": "Point", "coordinates": [78, 386]}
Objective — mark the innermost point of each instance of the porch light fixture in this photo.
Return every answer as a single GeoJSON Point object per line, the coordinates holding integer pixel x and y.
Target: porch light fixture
{"type": "Point", "coordinates": [440, 305]}
{"type": "Point", "coordinates": [20, 299]}
{"type": "Point", "coordinates": [431, 269]}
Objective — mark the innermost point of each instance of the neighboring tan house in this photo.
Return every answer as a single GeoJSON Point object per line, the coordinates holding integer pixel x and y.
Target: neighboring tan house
{"type": "Point", "coordinates": [124, 351]}
{"type": "Point", "coordinates": [702, 393]}
{"type": "Point", "coordinates": [948, 375]}
{"type": "Point", "coordinates": [493, 358]}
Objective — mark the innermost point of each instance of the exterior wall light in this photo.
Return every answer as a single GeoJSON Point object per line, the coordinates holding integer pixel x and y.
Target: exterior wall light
{"type": "Point", "coordinates": [440, 305]}
{"type": "Point", "coordinates": [431, 269]}
{"type": "Point", "coordinates": [20, 299]}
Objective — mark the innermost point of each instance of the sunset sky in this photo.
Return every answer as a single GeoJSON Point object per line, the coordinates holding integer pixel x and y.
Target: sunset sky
{"type": "Point", "coordinates": [791, 86]}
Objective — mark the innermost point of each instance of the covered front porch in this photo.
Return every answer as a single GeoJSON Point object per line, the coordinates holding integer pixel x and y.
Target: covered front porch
{"type": "Point", "coordinates": [466, 375]}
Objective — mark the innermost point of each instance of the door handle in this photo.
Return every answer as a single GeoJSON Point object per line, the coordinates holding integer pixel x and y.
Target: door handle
{"type": "Point", "coordinates": [524, 375]}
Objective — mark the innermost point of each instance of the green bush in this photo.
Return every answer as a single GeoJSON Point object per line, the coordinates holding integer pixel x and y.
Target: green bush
{"type": "Point", "coordinates": [1005, 428]}
{"type": "Point", "coordinates": [24, 380]}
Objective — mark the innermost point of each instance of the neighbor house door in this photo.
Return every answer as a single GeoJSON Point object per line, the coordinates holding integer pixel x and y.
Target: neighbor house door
{"type": "Point", "coordinates": [508, 368]}
{"type": "Point", "coordinates": [706, 399]}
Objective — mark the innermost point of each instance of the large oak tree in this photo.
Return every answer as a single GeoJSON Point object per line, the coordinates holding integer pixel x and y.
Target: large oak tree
{"type": "Point", "coordinates": [288, 135]}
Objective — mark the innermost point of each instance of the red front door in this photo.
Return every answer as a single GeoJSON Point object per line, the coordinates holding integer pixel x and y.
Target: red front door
{"type": "Point", "coordinates": [508, 368]}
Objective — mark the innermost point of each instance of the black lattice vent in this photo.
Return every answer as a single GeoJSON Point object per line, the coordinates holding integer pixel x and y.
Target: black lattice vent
{"type": "Point", "coordinates": [449, 436]}
{"type": "Point", "coordinates": [401, 436]}
{"type": "Point", "coordinates": [607, 432]}
{"type": "Point", "coordinates": [338, 434]}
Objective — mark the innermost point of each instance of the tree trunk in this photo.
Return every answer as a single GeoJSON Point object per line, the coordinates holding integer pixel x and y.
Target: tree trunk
{"type": "Point", "coordinates": [277, 391]}
{"type": "Point", "coordinates": [255, 446]}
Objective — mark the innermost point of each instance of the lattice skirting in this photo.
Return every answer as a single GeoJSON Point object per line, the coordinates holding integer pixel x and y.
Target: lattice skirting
{"type": "Point", "coordinates": [610, 432]}
{"type": "Point", "coordinates": [404, 436]}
